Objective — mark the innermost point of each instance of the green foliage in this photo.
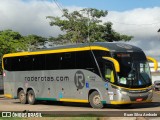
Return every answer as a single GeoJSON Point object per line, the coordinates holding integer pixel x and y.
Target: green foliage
{"type": "Point", "coordinates": [79, 26]}
{"type": "Point", "coordinates": [11, 41]}
{"type": "Point", "coordinates": [34, 41]}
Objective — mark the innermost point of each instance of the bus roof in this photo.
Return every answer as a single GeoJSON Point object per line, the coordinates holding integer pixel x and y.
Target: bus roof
{"type": "Point", "coordinates": [106, 46]}
{"type": "Point", "coordinates": [111, 46]}
{"type": "Point", "coordinates": [118, 47]}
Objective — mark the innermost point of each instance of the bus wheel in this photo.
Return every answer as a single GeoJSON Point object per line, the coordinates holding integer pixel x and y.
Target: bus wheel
{"type": "Point", "coordinates": [95, 100]}
{"type": "Point", "coordinates": [31, 97]}
{"type": "Point", "coordinates": [22, 97]}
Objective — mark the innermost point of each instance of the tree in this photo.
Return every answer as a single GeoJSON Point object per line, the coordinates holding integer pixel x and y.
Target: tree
{"type": "Point", "coordinates": [34, 41]}
{"type": "Point", "coordinates": [79, 26]}
{"type": "Point", "coordinates": [10, 42]}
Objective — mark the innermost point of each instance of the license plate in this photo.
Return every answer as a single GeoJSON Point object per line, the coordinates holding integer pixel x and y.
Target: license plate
{"type": "Point", "coordinates": [139, 99]}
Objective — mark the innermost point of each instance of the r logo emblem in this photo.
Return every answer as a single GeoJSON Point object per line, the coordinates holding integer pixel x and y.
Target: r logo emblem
{"type": "Point", "coordinates": [79, 79]}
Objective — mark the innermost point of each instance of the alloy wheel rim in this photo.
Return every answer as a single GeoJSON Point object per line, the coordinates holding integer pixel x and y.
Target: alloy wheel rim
{"type": "Point", "coordinates": [96, 100]}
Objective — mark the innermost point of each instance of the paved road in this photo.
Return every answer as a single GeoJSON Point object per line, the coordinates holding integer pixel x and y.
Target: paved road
{"type": "Point", "coordinates": [111, 112]}
{"type": "Point", "coordinates": [12, 105]}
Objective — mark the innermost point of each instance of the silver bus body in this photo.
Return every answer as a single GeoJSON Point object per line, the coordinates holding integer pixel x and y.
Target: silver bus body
{"type": "Point", "coordinates": [73, 81]}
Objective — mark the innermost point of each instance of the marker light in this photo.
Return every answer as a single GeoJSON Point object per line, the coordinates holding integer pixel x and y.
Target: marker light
{"type": "Point", "coordinates": [4, 74]}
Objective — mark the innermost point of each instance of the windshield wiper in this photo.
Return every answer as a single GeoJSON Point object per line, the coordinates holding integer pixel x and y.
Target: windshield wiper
{"type": "Point", "coordinates": [143, 79]}
{"type": "Point", "coordinates": [132, 73]}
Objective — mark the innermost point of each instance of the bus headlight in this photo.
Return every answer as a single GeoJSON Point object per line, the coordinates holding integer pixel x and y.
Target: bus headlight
{"type": "Point", "coordinates": [124, 93]}
{"type": "Point", "coordinates": [118, 91]}
{"type": "Point", "coordinates": [121, 92]}
{"type": "Point", "coordinates": [151, 91]}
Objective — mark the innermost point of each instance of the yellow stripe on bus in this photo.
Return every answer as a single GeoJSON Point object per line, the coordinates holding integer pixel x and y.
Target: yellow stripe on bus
{"type": "Point", "coordinates": [132, 88]}
{"type": "Point", "coordinates": [115, 62]}
{"type": "Point", "coordinates": [2, 65]}
{"type": "Point", "coordinates": [73, 100]}
{"type": "Point", "coordinates": [56, 51]}
{"type": "Point", "coordinates": [128, 102]}
{"type": "Point", "coordinates": [8, 96]}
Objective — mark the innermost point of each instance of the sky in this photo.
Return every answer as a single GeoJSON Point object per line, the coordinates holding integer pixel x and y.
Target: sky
{"type": "Point", "coordinates": [112, 5]}
{"type": "Point", "coordinates": [139, 18]}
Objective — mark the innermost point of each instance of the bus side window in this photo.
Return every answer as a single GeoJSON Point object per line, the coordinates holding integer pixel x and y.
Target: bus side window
{"type": "Point", "coordinates": [67, 60]}
{"type": "Point", "coordinates": [27, 63]}
{"type": "Point", "coordinates": [7, 64]}
{"type": "Point", "coordinates": [52, 61]}
{"type": "Point", "coordinates": [85, 60]}
{"type": "Point", "coordinates": [109, 74]}
{"type": "Point", "coordinates": [38, 62]}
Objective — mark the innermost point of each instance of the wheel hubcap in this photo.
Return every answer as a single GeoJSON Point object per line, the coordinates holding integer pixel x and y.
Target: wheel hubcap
{"type": "Point", "coordinates": [22, 97]}
{"type": "Point", "coordinates": [96, 100]}
{"type": "Point", "coordinates": [30, 97]}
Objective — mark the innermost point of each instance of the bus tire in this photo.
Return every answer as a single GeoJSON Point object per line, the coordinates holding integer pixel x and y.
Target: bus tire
{"type": "Point", "coordinates": [22, 97]}
{"type": "Point", "coordinates": [95, 100]}
{"type": "Point", "coordinates": [31, 97]}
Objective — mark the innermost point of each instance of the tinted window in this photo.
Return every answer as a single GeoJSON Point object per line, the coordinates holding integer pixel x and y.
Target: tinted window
{"type": "Point", "coordinates": [7, 64]}
{"type": "Point", "coordinates": [85, 60]}
{"type": "Point", "coordinates": [70, 60]}
{"type": "Point", "coordinates": [52, 61]}
{"type": "Point", "coordinates": [99, 54]}
{"type": "Point", "coordinates": [27, 63]}
{"type": "Point", "coordinates": [38, 62]}
{"type": "Point", "coordinates": [17, 63]}
{"type": "Point", "coordinates": [21, 63]}
{"type": "Point", "coordinates": [24, 63]}
{"type": "Point", "coordinates": [67, 60]}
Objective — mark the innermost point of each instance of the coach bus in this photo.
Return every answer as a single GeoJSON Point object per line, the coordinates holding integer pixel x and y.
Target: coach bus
{"type": "Point", "coordinates": [96, 73]}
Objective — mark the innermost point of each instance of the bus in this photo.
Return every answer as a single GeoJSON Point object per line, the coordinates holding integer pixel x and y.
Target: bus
{"type": "Point", "coordinates": [96, 73]}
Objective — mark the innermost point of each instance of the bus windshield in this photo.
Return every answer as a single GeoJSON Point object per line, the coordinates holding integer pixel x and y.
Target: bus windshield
{"type": "Point", "coordinates": [133, 73]}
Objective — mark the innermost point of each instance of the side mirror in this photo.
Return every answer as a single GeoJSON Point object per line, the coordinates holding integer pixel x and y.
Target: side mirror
{"type": "Point", "coordinates": [154, 61]}
{"type": "Point", "coordinates": [115, 62]}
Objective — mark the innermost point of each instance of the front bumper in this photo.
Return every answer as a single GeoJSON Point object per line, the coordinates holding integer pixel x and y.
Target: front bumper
{"type": "Point", "coordinates": [132, 96]}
